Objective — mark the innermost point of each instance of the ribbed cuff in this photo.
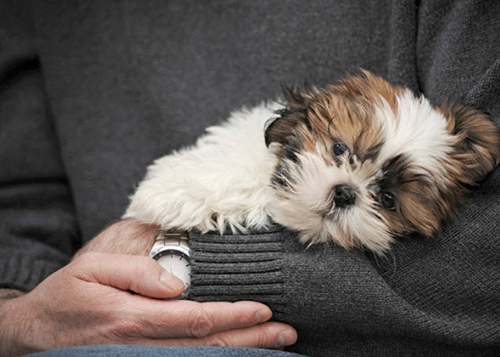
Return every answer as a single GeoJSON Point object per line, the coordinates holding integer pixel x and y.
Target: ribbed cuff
{"type": "Point", "coordinates": [24, 271]}
{"type": "Point", "coordinates": [238, 267]}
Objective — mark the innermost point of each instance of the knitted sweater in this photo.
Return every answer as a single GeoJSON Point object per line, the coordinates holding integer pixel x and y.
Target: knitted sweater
{"type": "Point", "coordinates": [92, 91]}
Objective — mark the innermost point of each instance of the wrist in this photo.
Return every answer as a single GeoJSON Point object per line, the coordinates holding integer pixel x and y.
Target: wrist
{"type": "Point", "coordinates": [128, 236]}
{"type": "Point", "coordinates": [7, 298]}
{"type": "Point", "coordinates": [6, 294]}
{"type": "Point", "coordinates": [171, 250]}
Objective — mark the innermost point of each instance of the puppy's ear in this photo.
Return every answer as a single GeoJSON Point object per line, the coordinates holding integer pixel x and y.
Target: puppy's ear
{"type": "Point", "coordinates": [294, 113]}
{"type": "Point", "coordinates": [477, 148]}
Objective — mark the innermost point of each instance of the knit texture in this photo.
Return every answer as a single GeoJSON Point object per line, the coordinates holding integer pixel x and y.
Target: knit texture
{"type": "Point", "coordinates": [236, 268]}
{"type": "Point", "coordinates": [91, 92]}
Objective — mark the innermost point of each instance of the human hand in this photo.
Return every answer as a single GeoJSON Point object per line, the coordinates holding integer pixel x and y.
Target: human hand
{"type": "Point", "coordinates": [103, 298]}
{"type": "Point", "coordinates": [129, 236]}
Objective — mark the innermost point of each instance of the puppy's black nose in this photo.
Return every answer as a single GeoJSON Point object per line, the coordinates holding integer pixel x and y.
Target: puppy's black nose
{"type": "Point", "coordinates": [344, 196]}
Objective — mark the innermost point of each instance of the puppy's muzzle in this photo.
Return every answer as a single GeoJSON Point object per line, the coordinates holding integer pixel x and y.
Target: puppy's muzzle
{"type": "Point", "coordinates": [343, 196]}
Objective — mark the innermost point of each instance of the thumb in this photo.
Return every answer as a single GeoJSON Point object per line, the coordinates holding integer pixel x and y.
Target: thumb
{"type": "Point", "coordinates": [139, 274]}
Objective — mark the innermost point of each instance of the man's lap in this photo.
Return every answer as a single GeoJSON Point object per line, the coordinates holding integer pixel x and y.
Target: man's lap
{"type": "Point", "coordinates": [153, 351]}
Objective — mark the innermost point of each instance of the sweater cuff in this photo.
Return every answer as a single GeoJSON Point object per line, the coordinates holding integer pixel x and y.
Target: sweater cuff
{"type": "Point", "coordinates": [238, 267]}
{"type": "Point", "coordinates": [22, 271]}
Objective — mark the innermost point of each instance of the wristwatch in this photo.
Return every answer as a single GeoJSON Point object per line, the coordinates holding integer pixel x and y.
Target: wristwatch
{"type": "Point", "coordinates": [171, 250]}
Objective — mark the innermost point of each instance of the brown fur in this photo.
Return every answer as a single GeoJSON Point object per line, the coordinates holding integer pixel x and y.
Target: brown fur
{"type": "Point", "coordinates": [477, 150]}
{"type": "Point", "coordinates": [315, 119]}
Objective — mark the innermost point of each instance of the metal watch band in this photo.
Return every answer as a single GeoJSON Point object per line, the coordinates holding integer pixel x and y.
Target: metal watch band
{"type": "Point", "coordinates": [173, 238]}
{"type": "Point", "coordinates": [174, 242]}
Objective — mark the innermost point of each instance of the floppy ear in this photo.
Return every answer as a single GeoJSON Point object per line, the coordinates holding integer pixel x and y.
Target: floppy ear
{"type": "Point", "coordinates": [478, 140]}
{"type": "Point", "coordinates": [294, 113]}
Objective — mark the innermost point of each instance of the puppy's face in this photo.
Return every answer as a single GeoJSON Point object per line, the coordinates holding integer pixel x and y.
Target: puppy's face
{"type": "Point", "coordinates": [363, 161]}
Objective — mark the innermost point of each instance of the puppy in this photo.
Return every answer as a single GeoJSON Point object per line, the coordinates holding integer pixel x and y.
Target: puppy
{"type": "Point", "coordinates": [357, 163]}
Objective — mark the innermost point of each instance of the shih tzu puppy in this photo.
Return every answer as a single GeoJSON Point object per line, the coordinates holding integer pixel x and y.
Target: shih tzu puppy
{"type": "Point", "coordinates": [357, 163]}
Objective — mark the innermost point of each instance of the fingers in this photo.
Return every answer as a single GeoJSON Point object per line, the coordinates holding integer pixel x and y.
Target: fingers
{"type": "Point", "coordinates": [141, 275]}
{"type": "Point", "coordinates": [240, 324]}
{"type": "Point", "coordinates": [174, 319]}
{"type": "Point", "coordinates": [174, 323]}
{"type": "Point", "coordinates": [268, 335]}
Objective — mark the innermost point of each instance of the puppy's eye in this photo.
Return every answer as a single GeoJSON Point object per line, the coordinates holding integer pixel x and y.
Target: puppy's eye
{"type": "Point", "coordinates": [388, 200]}
{"type": "Point", "coordinates": [338, 149]}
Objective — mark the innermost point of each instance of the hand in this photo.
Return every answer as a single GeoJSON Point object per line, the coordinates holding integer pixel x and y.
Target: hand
{"type": "Point", "coordinates": [103, 298]}
{"type": "Point", "coordinates": [90, 302]}
{"type": "Point", "coordinates": [129, 236]}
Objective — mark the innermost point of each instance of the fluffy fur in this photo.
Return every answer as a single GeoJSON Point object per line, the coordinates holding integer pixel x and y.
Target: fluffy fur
{"type": "Point", "coordinates": [356, 163]}
{"type": "Point", "coordinates": [222, 181]}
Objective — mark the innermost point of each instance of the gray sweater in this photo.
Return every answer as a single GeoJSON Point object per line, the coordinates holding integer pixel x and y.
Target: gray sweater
{"type": "Point", "coordinates": [91, 92]}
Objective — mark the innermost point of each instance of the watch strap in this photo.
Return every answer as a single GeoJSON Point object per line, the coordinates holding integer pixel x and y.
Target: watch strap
{"type": "Point", "coordinates": [173, 241]}
{"type": "Point", "coordinates": [173, 238]}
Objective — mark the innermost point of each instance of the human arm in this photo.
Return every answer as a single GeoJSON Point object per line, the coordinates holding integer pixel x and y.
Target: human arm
{"type": "Point", "coordinates": [345, 306]}
{"type": "Point", "coordinates": [38, 229]}
{"type": "Point", "coordinates": [109, 298]}
{"type": "Point", "coordinates": [47, 303]}
{"type": "Point", "coordinates": [434, 296]}
{"type": "Point", "coordinates": [422, 298]}
{"type": "Point", "coordinates": [56, 313]}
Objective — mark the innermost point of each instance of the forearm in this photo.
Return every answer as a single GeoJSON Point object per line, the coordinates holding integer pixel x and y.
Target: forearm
{"type": "Point", "coordinates": [8, 294]}
{"type": "Point", "coordinates": [239, 267]}
{"type": "Point", "coordinates": [332, 295]}
{"type": "Point", "coordinates": [38, 228]}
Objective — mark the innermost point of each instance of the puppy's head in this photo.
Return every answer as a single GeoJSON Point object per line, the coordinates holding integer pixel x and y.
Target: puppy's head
{"type": "Point", "coordinates": [364, 161]}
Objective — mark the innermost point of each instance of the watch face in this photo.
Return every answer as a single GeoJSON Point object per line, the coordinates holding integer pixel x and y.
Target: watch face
{"type": "Point", "coordinates": [178, 264]}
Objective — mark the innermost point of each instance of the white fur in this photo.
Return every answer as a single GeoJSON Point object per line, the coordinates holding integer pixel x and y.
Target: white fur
{"type": "Point", "coordinates": [221, 181]}
{"type": "Point", "coordinates": [417, 130]}
{"type": "Point", "coordinates": [225, 179]}
{"type": "Point", "coordinates": [303, 207]}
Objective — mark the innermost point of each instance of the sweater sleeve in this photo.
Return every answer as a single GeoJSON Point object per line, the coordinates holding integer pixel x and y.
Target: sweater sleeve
{"type": "Point", "coordinates": [237, 267]}
{"type": "Point", "coordinates": [421, 300]}
{"type": "Point", "coordinates": [434, 296]}
{"type": "Point", "coordinates": [37, 224]}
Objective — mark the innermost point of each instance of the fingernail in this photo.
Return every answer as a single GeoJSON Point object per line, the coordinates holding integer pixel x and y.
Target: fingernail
{"type": "Point", "coordinates": [171, 281]}
{"type": "Point", "coordinates": [286, 338]}
{"type": "Point", "coordinates": [262, 316]}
